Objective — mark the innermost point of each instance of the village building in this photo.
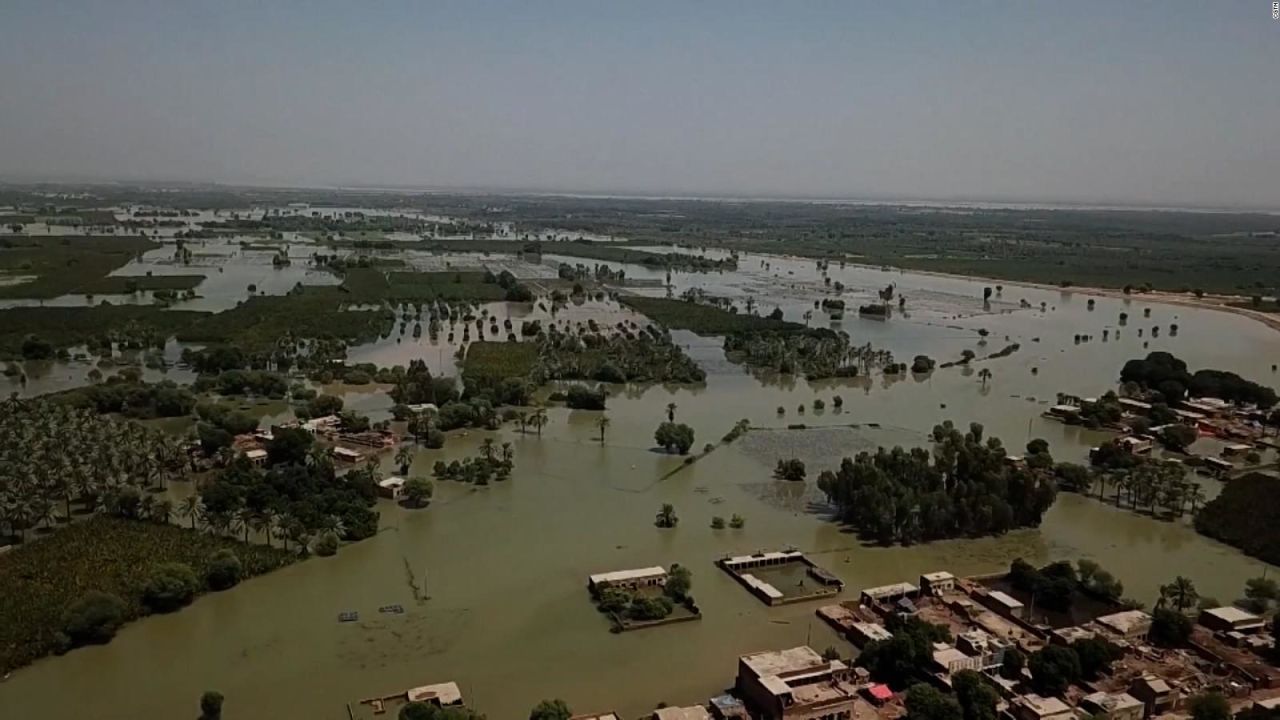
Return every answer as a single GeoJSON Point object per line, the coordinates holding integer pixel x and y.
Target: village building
{"type": "Point", "coordinates": [391, 488]}
{"type": "Point", "coordinates": [597, 716]}
{"type": "Point", "coordinates": [728, 707]}
{"type": "Point", "coordinates": [1236, 449]}
{"type": "Point", "coordinates": [863, 633]}
{"type": "Point", "coordinates": [796, 683]}
{"type": "Point", "coordinates": [1155, 694]}
{"type": "Point", "coordinates": [888, 593]}
{"type": "Point", "coordinates": [1135, 445]}
{"type": "Point", "coordinates": [1132, 625]}
{"type": "Point", "coordinates": [986, 648]}
{"type": "Point", "coordinates": [1035, 707]}
{"type": "Point", "coordinates": [629, 579]}
{"type": "Point", "coordinates": [441, 694]}
{"type": "Point", "coordinates": [1070, 634]}
{"type": "Point", "coordinates": [693, 712]}
{"type": "Point", "coordinates": [950, 661]}
{"type": "Point", "coordinates": [1112, 706]}
{"type": "Point", "coordinates": [1231, 619]}
{"type": "Point", "coordinates": [936, 583]}
{"type": "Point", "coordinates": [1207, 406]}
{"type": "Point", "coordinates": [347, 454]}
{"type": "Point", "coordinates": [257, 456]}
{"type": "Point", "coordinates": [423, 408]}
{"type": "Point", "coordinates": [1006, 604]}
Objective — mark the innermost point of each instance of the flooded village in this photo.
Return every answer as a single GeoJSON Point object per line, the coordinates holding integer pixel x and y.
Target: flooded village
{"type": "Point", "coordinates": [654, 521]}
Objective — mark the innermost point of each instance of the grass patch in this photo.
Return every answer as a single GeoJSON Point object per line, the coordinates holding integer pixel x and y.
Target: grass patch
{"type": "Point", "coordinates": [489, 363]}
{"type": "Point", "coordinates": [123, 284]}
{"type": "Point", "coordinates": [310, 312]}
{"type": "Point", "coordinates": [703, 319]}
{"type": "Point", "coordinates": [63, 265]}
{"type": "Point", "coordinates": [40, 579]}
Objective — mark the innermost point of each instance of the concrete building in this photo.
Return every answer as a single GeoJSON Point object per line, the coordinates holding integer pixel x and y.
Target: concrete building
{"type": "Point", "coordinates": [988, 649]}
{"type": "Point", "coordinates": [1070, 634]}
{"type": "Point", "coordinates": [1006, 604]}
{"type": "Point", "coordinates": [888, 593]}
{"type": "Point", "coordinates": [257, 456]}
{"type": "Point", "coordinates": [391, 488]}
{"type": "Point", "coordinates": [347, 454]}
{"type": "Point", "coordinates": [1155, 694]}
{"type": "Point", "coordinates": [1231, 619]}
{"type": "Point", "coordinates": [1112, 706]}
{"type": "Point", "coordinates": [629, 579]}
{"type": "Point", "coordinates": [950, 661]}
{"type": "Point", "coordinates": [441, 694]}
{"type": "Point", "coordinates": [1132, 625]}
{"type": "Point", "coordinates": [936, 583]}
{"type": "Point", "coordinates": [862, 633]}
{"type": "Point", "coordinates": [796, 684]}
{"type": "Point", "coordinates": [597, 716]}
{"type": "Point", "coordinates": [1135, 445]}
{"type": "Point", "coordinates": [1035, 707]}
{"type": "Point", "coordinates": [693, 712]}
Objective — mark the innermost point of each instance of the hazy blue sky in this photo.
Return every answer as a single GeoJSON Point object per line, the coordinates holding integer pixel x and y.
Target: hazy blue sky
{"type": "Point", "coordinates": [1153, 102]}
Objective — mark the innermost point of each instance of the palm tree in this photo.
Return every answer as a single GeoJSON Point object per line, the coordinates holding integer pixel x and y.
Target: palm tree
{"type": "Point", "coordinates": [522, 418]}
{"type": "Point", "coordinates": [190, 508]}
{"type": "Point", "coordinates": [539, 420]}
{"type": "Point", "coordinates": [666, 516]}
{"type": "Point", "coordinates": [984, 375]}
{"type": "Point", "coordinates": [1195, 495]}
{"type": "Point", "coordinates": [671, 412]}
{"type": "Point", "coordinates": [487, 449]}
{"type": "Point", "coordinates": [1181, 593]}
{"type": "Point", "coordinates": [602, 423]}
{"type": "Point", "coordinates": [404, 458]}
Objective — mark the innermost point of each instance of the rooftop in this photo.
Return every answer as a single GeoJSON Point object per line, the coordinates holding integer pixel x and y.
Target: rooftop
{"type": "Point", "coordinates": [777, 555]}
{"type": "Point", "coordinates": [938, 576]}
{"type": "Point", "coordinates": [255, 453]}
{"type": "Point", "coordinates": [625, 575]}
{"type": "Point", "coordinates": [443, 693]}
{"type": "Point", "coordinates": [902, 588]}
{"type": "Point", "coordinates": [693, 712]}
{"type": "Point", "coordinates": [1042, 706]}
{"type": "Point", "coordinates": [779, 662]}
{"type": "Point", "coordinates": [394, 481]}
{"type": "Point", "coordinates": [1233, 615]}
{"type": "Point", "coordinates": [1125, 622]}
{"type": "Point", "coordinates": [1111, 702]}
{"type": "Point", "coordinates": [601, 716]}
{"type": "Point", "coordinates": [1005, 599]}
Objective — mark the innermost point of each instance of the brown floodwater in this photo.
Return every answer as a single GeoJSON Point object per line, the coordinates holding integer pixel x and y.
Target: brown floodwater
{"type": "Point", "coordinates": [505, 566]}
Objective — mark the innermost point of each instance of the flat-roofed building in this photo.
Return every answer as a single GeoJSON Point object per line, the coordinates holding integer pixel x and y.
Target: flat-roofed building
{"type": "Point", "coordinates": [257, 456]}
{"type": "Point", "coordinates": [1135, 445]}
{"type": "Point", "coordinates": [1131, 624]}
{"type": "Point", "coordinates": [1156, 694]}
{"type": "Point", "coordinates": [951, 660]}
{"type": "Point", "coordinates": [796, 683]}
{"type": "Point", "coordinates": [442, 694]}
{"type": "Point", "coordinates": [631, 579]}
{"type": "Point", "coordinates": [988, 649]}
{"type": "Point", "coordinates": [1035, 707]}
{"type": "Point", "coordinates": [692, 712]}
{"type": "Point", "coordinates": [1070, 634]}
{"type": "Point", "coordinates": [597, 716]}
{"type": "Point", "coordinates": [1112, 706]}
{"type": "Point", "coordinates": [863, 633]}
{"type": "Point", "coordinates": [391, 488]}
{"type": "Point", "coordinates": [1231, 619]}
{"type": "Point", "coordinates": [1137, 407]}
{"type": "Point", "coordinates": [1006, 604]}
{"type": "Point", "coordinates": [347, 454]}
{"type": "Point", "coordinates": [936, 583]}
{"type": "Point", "coordinates": [888, 593]}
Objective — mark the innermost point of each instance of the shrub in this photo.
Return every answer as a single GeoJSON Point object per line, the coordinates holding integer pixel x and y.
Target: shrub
{"type": "Point", "coordinates": [224, 570]}
{"type": "Point", "coordinates": [327, 545]}
{"type": "Point", "coordinates": [94, 618]}
{"type": "Point", "coordinates": [170, 586]}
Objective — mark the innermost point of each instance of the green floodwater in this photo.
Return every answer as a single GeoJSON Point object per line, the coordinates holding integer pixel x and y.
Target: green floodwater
{"type": "Point", "coordinates": [505, 567]}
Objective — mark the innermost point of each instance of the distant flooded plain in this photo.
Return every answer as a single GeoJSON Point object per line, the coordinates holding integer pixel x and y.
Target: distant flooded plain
{"type": "Point", "coordinates": [504, 567]}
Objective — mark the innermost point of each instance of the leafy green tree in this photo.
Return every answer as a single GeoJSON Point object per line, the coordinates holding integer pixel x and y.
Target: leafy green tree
{"type": "Point", "coordinates": [418, 491]}
{"type": "Point", "coordinates": [976, 697]}
{"type": "Point", "coordinates": [679, 580]}
{"type": "Point", "coordinates": [224, 570]}
{"type": "Point", "coordinates": [93, 619]}
{"type": "Point", "coordinates": [1169, 628]}
{"type": "Point", "coordinates": [1053, 669]}
{"type": "Point", "coordinates": [1180, 594]}
{"type": "Point", "coordinates": [1096, 655]}
{"type": "Point", "coordinates": [666, 517]}
{"type": "Point", "coordinates": [674, 437]}
{"type": "Point", "coordinates": [1210, 706]}
{"type": "Point", "coordinates": [169, 587]}
{"type": "Point", "coordinates": [1012, 665]}
{"type": "Point", "coordinates": [327, 545]}
{"type": "Point", "coordinates": [926, 703]}
{"type": "Point", "coordinates": [211, 705]}
{"type": "Point", "coordinates": [717, 523]}
{"type": "Point", "coordinates": [550, 710]}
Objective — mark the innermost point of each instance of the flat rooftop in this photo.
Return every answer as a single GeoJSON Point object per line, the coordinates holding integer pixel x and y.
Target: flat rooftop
{"type": "Point", "coordinates": [628, 575]}
{"type": "Point", "coordinates": [902, 588]}
{"type": "Point", "coordinates": [777, 555]}
{"type": "Point", "coordinates": [781, 662]}
{"type": "Point", "coordinates": [446, 693]}
{"type": "Point", "coordinates": [1233, 615]}
{"type": "Point", "coordinates": [693, 712]}
{"type": "Point", "coordinates": [1042, 706]}
{"type": "Point", "coordinates": [1005, 599]}
{"type": "Point", "coordinates": [1123, 622]}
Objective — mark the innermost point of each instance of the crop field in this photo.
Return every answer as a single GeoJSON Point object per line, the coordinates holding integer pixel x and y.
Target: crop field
{"type": "Point", "coordinates": [488, 363]}
{"type": "Point", "coordinates": [41, 578]}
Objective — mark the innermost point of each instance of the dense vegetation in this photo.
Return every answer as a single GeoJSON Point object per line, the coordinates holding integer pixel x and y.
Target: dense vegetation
{"type": "Point", "coordinates": [1166, 375]}
{"type": "Point", "coordinates": [60, 265]}
{"type": "Point", "coordinates": [1244, 515]}
{"type": "Point", "coordinates": [815, 354]}
{"type": "Point", "coordinates": [965, 487]}
{"type": "Point", "coordinates": [703, 318]}
{"type": "Point", "coordinates": [44, 580]}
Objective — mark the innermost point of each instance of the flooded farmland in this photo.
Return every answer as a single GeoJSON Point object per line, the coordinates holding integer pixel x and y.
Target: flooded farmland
{"type": "Point", "coordinates": [503, 568]}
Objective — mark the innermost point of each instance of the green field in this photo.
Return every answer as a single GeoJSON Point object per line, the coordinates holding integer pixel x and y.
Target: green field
{"type": "Point", "coordinates": [42, 577]}
{"type": "Point", "coordinates": [123, 284]}
{"type": "Point", "coordinates": [488, 363]}
{"type": "Point", "coordinates": [63, 265]}
{"type": "Point", "coordinates": [372, 284]}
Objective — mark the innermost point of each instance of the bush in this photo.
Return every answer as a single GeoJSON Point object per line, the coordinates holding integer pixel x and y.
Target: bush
{"type": "Point", "coordinates": [93, 619]}
{"type": "Point", "coordinates": [581, 397]}
{"type": "Point", "coordinates": [170, 586]}
{"type": "Point", "coordinates": [327, 545]}
{"type": "Point", "coordinates": [674, 437]}
{"type": "Point", "coordinates": [224, 570]}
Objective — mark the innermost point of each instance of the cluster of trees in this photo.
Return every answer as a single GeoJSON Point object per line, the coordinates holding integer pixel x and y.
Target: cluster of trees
{"type": "Point", "coordinates": [974, 699]}
{"type": "Point", "coordinates": [622, 354]}
{"type": "Point", "coordinates": [298, 496]}
{"type": "Point", "coordinates": [907, 655]}
{"type": "Point", "coordinates": [674, 437]}
{"type": "Point", "coordinates": [792, 470]}
{"type": "Point", "coordinates": [127, 395]}
{"type": "Point", "coordinates": [623, 603]}
{"type": "Point", "coordinates": [1144, 483]}
{"type": "Point", "coordinates": [260, 383]}
{"type": "Point", "coordinates": [1243, 516]}
{"type": "Point", "coordinates": [581, 397]}
{"type": "Point", "coordinates": [1055, 667]}
{"type": "Point", "coordinates": [965, 487]}
{"type": "Point", "coordinates": [815, 354]}
{"type": "Point", "coordinates": [1165, 374]}
{"type": "Point", "coordinates": [430, 711]}
{"type": "Point", "coordinates": [492, 463]}
{"type": "Point", "coordinates": [516, 292]}
{"type": "Point", "coordinates": [54, 456]}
